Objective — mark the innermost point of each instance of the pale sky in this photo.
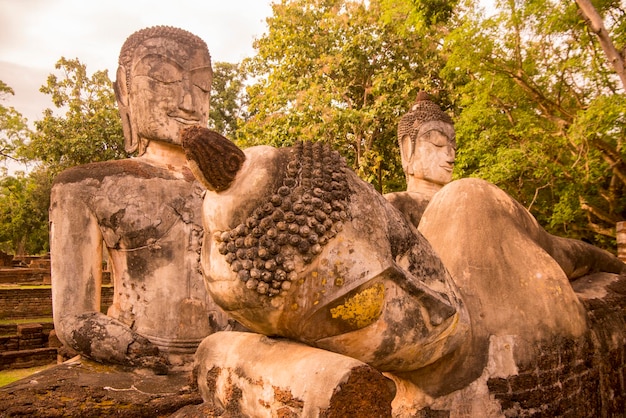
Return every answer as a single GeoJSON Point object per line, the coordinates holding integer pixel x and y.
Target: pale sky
{"type": "Point", "coordinates": [34, 34]}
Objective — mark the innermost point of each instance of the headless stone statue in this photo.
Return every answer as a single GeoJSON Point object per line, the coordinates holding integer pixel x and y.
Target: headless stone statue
{"type": "Point", "coordinates": [146, 211]}
{"type": "Point", "coordinates": [427, 147]}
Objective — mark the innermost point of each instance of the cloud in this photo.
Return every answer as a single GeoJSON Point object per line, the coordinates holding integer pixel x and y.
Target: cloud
{"type": "Point", "coordinates": [34, 34]}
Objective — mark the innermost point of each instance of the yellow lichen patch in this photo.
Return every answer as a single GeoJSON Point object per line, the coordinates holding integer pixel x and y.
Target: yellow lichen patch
{"type": "Point", "coordinates": [363, 308]}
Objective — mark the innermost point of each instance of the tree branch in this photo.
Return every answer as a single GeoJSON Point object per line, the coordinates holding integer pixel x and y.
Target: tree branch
{"type": "Point", "coordinates": [598, 213]}
{"type": "Point", "coordinates": [595, 22]}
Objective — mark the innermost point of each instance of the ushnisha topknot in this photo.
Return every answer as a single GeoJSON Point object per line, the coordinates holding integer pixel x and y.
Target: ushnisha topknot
{"type": "Point", "coordinates": [133, 41]}
{"type": "Point", "coordinates": [423, 110]}
{"type": "Point", "coordinates": [213, 158]}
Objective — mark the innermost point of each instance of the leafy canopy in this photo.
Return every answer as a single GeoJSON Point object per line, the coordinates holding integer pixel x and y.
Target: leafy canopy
{"type": "Point", "coordinates": [90, 130]}
{"type": "Point", "coordinates": [342, 72]}
{"type": "Point", "coordinates": [541, 114]}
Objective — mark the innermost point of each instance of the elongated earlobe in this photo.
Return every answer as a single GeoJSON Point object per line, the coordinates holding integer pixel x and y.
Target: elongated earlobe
{"type": "Point", "coordinates": [120, 87]}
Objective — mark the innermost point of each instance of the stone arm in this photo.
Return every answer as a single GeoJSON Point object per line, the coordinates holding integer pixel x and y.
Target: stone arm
{"type": "Point", "coordinates": [576, 258]}
{"type": "Point", "coordinates": [76, 269]}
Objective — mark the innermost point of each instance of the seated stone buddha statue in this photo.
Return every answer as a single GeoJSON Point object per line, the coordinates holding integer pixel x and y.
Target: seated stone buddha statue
{"type": "Point", "coordinates": [146, 211]}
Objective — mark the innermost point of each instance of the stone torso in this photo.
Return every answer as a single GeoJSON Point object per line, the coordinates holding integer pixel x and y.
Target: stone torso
{"type": "Point", "coordinates": [150, 221]}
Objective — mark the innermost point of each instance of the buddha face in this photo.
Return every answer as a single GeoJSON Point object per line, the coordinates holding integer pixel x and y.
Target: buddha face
{"type": "Point", "coordinates": [169, 89]}
{"type": "Point", "coordinates": [430, 154]}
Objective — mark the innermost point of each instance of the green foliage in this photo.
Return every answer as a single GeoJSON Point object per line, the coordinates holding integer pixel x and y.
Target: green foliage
{"type": "Point", "coordinates": [91, 128]}
{"type": "Point", "coordinates": [228, 99]}
{"type": "Point", "coordinates": [540, 115]}
{"type": "Point", "coordinates": [538, 110]}
{"type": "Point", "coordinates": [13, 127]}
{"type": "Point", "coordinates": [435, 11]}
{"type": "Point", "coordinates": [24, 202]}
{"type": "Point", "coordinates": [342, 72]}
{"type": "Point", "coordinates": [89, 131]}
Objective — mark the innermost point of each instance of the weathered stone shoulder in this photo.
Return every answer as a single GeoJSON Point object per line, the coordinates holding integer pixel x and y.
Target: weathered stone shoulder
{"type": "Point", "coordinates": [128, 167]}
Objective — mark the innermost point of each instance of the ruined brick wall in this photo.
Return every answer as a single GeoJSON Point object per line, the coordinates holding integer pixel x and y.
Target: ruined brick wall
{"type": "Point", "coordinates": [25, 303]}
{"type": "Point", "coordinates": [18, 303]}
{"type": "Point", "coordinates": [26, 345]}
{"type": "Point", "coordinates": [575, 378]}
{"type": "Point", "coordinates": [24, 336]}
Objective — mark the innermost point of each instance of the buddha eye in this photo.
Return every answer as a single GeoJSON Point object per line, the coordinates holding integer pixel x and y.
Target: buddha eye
{"type": "Point", "coordinates": [165, 73]}
{"type": "Point", "coordinates": [203, 86]}
{"type": "Point", "coordinates": [201, 78]}
{"type": "Point", "coordinates": [156, 68]}
{"type": "Point", "coordinates": [435, 137]}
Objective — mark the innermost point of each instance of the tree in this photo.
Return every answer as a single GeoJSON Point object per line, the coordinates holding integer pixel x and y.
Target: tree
{"type": "Point", "coordinates": [91, 128]}
{"type": "Point", "coordinates": [541, 114]}
{"type": "Point", "coordinates": [228, 99]}
{"type": "Point", "coordinates": [13, 127]}
{"type": "Point", "coordinates": [90, 131]}
{"type": "Point", "coordinates": [596, 24]}
{"type": "Point", "coordinates": [341, 71]}
{"type": "Point", "coordinates": [24, 202]}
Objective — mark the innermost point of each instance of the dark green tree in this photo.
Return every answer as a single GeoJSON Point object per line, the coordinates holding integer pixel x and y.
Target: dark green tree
{"type": "Point", "coordinates": [13, 126]}
{"type": "Point", "coordinates": [541, 114]}
{"type": "Point", "coordinates": [228, 99]}
{"type": "Point", "coordinates": [24, 202]}
{"type": "Point", "coordinates": [91, 128]}
{"type": "Point", "coordinates": [341, 71]}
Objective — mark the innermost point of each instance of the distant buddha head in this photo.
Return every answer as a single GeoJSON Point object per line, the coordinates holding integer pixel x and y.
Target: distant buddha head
{"type": "Point", "coordinates": [163, 85]}
{"type": "Point", "coordinates": [427, 143]}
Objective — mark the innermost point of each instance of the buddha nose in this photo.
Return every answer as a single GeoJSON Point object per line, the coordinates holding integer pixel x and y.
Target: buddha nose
{"type": "Point", "coordinates": [450, 154]}
{"type": "Point", "coordinates": [186, 101]}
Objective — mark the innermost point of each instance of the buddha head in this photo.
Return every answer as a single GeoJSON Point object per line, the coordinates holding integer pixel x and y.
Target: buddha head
{"type": "Point", "coordinates": [163, 85]}
{"type": "Point", "coordinates": [427, 143]}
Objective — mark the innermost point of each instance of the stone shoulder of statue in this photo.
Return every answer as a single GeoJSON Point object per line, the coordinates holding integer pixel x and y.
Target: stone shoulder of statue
{"type": "Point", "coordinates": [131, 168]}
{"type": "Point", "coordinates": [128, 196]}
{"type": "Point", "coordinates": [411, 204]}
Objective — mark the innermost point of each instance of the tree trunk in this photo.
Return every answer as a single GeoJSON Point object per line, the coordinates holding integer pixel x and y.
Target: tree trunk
{"type": "Point", "coordinates": [597, 26]}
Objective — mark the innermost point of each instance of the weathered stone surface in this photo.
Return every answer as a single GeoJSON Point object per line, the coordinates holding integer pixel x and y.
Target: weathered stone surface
{"type": "Point", "coordinates": [146, 211]}
{"type": "Point", "coordinates": [246, 374]}
{"type": "Point", "coordinates": [565, 377]}
{"type": "Point", "coordinates": [515, 283]}
{"type": "Point", "coordinates": [372, 290]}
{"type": "Point", "coordinates": [87, 389]}
{"type": "Point", "coordinates": [536, 346]}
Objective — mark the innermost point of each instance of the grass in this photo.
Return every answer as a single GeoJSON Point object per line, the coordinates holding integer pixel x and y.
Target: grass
{"type": "Point", "coordinates": [11, 321]}
{"type": "Point", "coordinates": [12, 375]}
{"type": "Point", "coordinates": [24, 286]}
